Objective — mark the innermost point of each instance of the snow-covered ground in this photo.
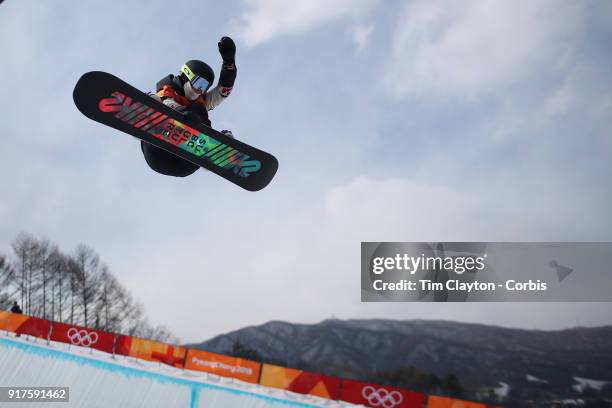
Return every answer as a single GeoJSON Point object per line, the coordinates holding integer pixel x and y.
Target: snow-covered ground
{"type": "Point", "coordinates": [98, 379]}
{"type": "Point", "coordinates": [584, 383]}
{"type": "Point", "coordinates": [502, 391]}
{"type": "Point", "coordinates": [535, 379]}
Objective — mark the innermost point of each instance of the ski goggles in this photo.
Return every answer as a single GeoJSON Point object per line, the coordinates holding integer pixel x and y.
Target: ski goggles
{"type": "Point", "coordinates": [197, 82]}
{"type": "Point", "coordinates": [200, 84]}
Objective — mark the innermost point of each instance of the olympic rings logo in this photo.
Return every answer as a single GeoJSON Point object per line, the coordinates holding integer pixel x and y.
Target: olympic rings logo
{"type": "Point", "coordinates": [381, 397]}
{"type": "Point", "coordinates": [82, 337]}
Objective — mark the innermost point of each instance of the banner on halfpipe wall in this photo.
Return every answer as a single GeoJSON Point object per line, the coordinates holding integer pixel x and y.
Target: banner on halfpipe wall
{"type": "Point", "coordinates": [23, 324]}
{"type": "Point", "coordinates": [444, 402]}
{"type": "Point", "coordinates": [226, 366]}
{"type": "Point", "coordinates": [83, 337]}
{"type": "Point", "coordinates": [375, 395]}
{"type": "Point", "coordinates": [151, 350]}
{"type": "Point", "coordinates": [303, 382]}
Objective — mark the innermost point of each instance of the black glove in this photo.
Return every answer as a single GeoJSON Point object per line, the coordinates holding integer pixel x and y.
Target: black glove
{"type": "Point", "coordinates": [227, 49]}
{"type": "Point", "coordinates": [191, 118]}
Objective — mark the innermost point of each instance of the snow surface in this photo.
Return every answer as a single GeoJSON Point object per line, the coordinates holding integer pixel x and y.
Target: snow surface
{"type": "Point", "coordinates": [584, 383]}
{"type": "Point", "coordinates": [569, 402]}
{"type": "Point", "coordinates": [534, 379]}
{"type": "Point", "coordinates": [98, 379]}
{"type": "Point", "coordinates": [502, 391]}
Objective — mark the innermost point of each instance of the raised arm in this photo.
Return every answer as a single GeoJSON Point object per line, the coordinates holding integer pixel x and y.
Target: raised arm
{"type": "Point", "coordinates": [216, 95]}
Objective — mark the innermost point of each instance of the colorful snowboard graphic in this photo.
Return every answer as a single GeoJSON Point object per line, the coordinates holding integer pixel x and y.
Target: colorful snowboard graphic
{"type": "Point", "coordinates": [107, 99]}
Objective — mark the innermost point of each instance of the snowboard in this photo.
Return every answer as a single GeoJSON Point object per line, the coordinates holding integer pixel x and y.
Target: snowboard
{"type": "Point", "coordinates": [107, 99]}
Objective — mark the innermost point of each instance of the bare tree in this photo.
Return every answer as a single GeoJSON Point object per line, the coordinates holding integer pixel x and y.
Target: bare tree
{"type": "Point", "coordinates": [161, 333]}
{"type": "Point", "coordinates": [87, 275]}
{"type": "Point", "coordinates": [5, 301]}
{"type": "Point", "coordinates": [22, 249]}
{"type": "Point", "coordinates": [105, 299]}
{"type": "Point", "coordinates": [6, 277]}
{"type": "Point", "coordinates": [8, 289]}
{"type": "Point", "coordinates": [42, 261]}
{"type": "Point", "coordinates": [59, 267]}
{"type": "Point", "coordinates": [78, 289]}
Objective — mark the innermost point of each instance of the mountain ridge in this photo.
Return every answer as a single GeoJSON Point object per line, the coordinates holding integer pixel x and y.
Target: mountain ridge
{"type": "Point", "coordinates": [481, 356]}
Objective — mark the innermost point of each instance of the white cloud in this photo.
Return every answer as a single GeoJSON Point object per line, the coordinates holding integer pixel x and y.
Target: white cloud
{"type": "Point", "coordinates": [277, 268]}
{"type": "Point", "coordinates": [559, 102]}
{"type": "Point", "coordinates": [266, 19]}
{"type": "Point", "coordinates": [314, 253]}
{"type": "Point", "coordinates": [473, 48]}
{"type": "Point", "coordinates": [397, 210]}
{"type": "Point", "coordinates": [361, 37]}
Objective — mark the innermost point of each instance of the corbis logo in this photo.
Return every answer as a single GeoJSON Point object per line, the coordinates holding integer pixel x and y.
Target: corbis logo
{"type": "Point", "coordinates": [82, 338]}
{"type": "Point", "coordinates": [381, 397]}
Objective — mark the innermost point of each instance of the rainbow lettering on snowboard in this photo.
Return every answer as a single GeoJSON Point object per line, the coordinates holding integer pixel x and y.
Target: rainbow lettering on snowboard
{"type": "Point", "coordinates": [178, 134]}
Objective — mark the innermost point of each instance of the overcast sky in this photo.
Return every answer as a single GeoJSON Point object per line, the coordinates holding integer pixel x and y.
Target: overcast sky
{"type": "Point", "coordinates": [482, 120]}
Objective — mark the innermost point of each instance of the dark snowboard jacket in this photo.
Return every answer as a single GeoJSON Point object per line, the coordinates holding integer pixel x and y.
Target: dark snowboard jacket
{"type": "Point", "coordinates": [170, 91]}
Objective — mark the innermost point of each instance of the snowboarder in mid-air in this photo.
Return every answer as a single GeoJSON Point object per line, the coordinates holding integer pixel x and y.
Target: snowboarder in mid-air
{"type": "Point", "coordinates": [190, 93]}
{"type": "Point", "coordinates": [173, 124]}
